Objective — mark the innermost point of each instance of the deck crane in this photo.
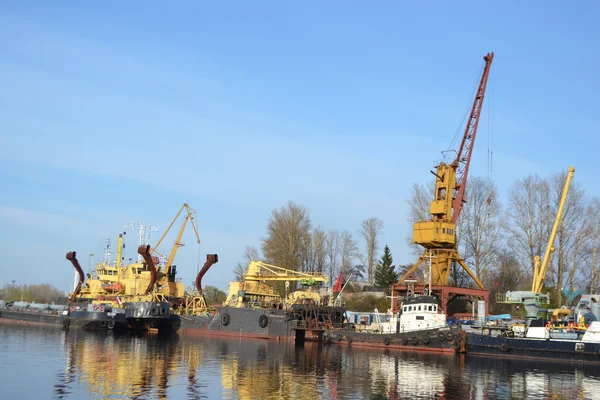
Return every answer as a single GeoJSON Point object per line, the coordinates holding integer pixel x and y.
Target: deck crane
{"type": "Point", "coordinates": [438, 235]}
{"type": "Point", "coordinates": [168, 268]}
{"type": "Point", "coordinates": [255, 290]}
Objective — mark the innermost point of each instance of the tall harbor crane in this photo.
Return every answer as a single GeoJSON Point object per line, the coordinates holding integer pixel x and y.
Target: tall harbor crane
{"type": "Point", "coordinates": [438, 235]}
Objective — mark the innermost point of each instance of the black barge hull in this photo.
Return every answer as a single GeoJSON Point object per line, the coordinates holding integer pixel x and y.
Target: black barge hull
{"type": "Point", "coordinates": [546, 349]}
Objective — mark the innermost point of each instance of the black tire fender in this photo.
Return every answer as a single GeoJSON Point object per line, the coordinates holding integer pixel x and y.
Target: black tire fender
{"type": "Point", "coordinates": [386, 341]}
{"type": "Point", "coordinates": [110, 324]}
{"type": "Point", "coordinates": [441, 336]}
{"type": "Point", "coordinates": [425, 339]}
{"type": "Point", "coordinates": [414, 340]}
{"type": "Point", "coordinates": [263, 321]}
{"type": "Point", "coordinates": [225, 319]}
{"type": "Point", "coordinates": [163, 310]}
{"type": "Point", "coordinates": [349, 339]}
{"type": "Point", "coordinates": [449, 337]}
{"type": "Point", "coordinates": [103, 324]}
{"type": "Point", "coordinates": [154, 311]}
{"type": "Point", "coordinates": [504, 346]}
{"type": "Point", "coordinates": [338, 337]}
{"type": "Point", "coordinates": [457, 346]}
{"type": "Point", "coordinates": [405, 340]}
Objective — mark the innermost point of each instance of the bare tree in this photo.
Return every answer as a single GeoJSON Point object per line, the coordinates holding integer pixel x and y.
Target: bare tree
{"type": "Point", "coordinates": [332, 245]}
{"type": "Point", "coordinates": [348, 252]}
{"type": "Point", "coordinates": [251, 253]}
{"type": "Point", "coordinates": [307, 256]}
{"type": "Point", "coordinates": [319, 249]}
{"type": "Point", "coordinates": [370, 230]}
{"type": "Point", "coordinates": [529, 220]}
{"type": "Point", "coordinates": [287, 232]}
{"type": "Point", "coordinates": [479, 226]}
{"type": "Point", "coordinates": [593, 249]}
{"type": "Point", "coordinates": [239, 271]}
{"type": "Point", "coordinates": [419, 205]}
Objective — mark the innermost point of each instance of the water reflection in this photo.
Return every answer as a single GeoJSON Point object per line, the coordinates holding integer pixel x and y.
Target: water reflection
{"type": "Point", "coordinates": [147, 366]}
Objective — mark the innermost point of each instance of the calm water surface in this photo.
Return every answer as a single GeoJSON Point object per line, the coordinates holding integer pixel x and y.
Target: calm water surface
{"type": "Point", "coordinates": [49, 363]}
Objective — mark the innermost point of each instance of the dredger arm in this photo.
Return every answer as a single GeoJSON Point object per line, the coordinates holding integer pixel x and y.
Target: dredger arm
{"type": "Point", "coordinates": [144, 251]}
{"type": "Point", "coordinates": [71, 256]}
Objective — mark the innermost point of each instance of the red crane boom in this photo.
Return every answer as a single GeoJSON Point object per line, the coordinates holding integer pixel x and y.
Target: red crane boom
{"type": "Point", "coordinates": [463, 159]}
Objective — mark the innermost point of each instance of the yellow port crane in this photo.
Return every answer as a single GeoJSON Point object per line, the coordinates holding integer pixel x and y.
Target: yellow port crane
{"type": "Point", "coordinates": [438, 235]}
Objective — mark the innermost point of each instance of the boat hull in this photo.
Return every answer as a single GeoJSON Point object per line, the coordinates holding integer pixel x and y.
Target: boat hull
{"type": "Point", "coordinates": [443, 340]}
{"type": "Point", "coordinates": [547, 349]}
{"type": "Point", "coordinates": [31, 317]}
{"type": "Point", "coordinates": [143, 316]}
{"type": "Point", "coordinates": [244, 322]}
{"type": "Point", "coordinates": [96, 321]}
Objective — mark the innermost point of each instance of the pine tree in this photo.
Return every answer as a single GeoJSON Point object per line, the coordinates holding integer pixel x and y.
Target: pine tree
{"type": "Point", "coordinates": [385, 276]}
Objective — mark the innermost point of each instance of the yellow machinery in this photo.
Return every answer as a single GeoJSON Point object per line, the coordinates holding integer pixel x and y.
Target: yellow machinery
{"type": "Point", "coordinates": [253, 289]}
{"type": "Point", "coordinates": [133, 279]}
{"type": "Point", "coordinates": [438, 235]}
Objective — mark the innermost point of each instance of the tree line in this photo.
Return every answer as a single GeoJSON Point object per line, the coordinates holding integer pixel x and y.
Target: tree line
{"type": "Point", "coordinates": [292, 242]}
{"type": "Point", "coordinates": [43, 293]}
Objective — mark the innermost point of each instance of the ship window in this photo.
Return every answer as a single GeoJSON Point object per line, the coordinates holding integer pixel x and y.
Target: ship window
{"type": "Point", "coordinates": [434, 307]}
{"type": "Point", "coordinates": [404, 308]}
{"type": "Point", "coordinates": [443, 230]}
{"type": "Point", "coordinates": [419, 308]}
{"type": "Point", "coordinates": [409, 308]}
{"type": "Point", "coordinates": [429, 308]}
{"type": "Point", "coordinates": [420, 317]}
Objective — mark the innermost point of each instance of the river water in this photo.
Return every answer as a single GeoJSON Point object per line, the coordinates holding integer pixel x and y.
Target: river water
{"type": "Point", "coordinates": [50, 363]}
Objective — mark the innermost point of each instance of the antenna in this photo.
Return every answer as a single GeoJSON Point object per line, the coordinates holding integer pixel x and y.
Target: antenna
{"type": "Point", "coordinates": [143, 231]}
{"type": "Point", "coordinates": [107, 253]}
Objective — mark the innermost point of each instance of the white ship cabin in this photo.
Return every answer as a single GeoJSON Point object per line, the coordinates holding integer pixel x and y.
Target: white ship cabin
{"type": "Point", "coordinates": [421, 313]}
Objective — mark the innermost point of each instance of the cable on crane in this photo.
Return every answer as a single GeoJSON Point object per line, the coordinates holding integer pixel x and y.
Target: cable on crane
{"type": "Point", "coordinates": [459, 129]}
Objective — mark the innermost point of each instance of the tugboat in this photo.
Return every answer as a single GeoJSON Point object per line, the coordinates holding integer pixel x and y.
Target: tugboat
{"type": "Point", "coordinates": [419, 325]}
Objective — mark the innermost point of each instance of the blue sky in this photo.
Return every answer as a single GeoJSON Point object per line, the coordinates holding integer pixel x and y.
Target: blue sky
{"type": "Point", "coordinates": [114, 112]}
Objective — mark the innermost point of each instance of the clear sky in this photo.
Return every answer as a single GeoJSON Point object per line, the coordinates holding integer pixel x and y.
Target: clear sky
{"type": "Point", "coordinates": [112, 112]}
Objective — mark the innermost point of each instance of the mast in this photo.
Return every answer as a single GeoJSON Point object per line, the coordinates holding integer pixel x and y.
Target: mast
{"type": "Point", "coordinates": [143, 232]}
